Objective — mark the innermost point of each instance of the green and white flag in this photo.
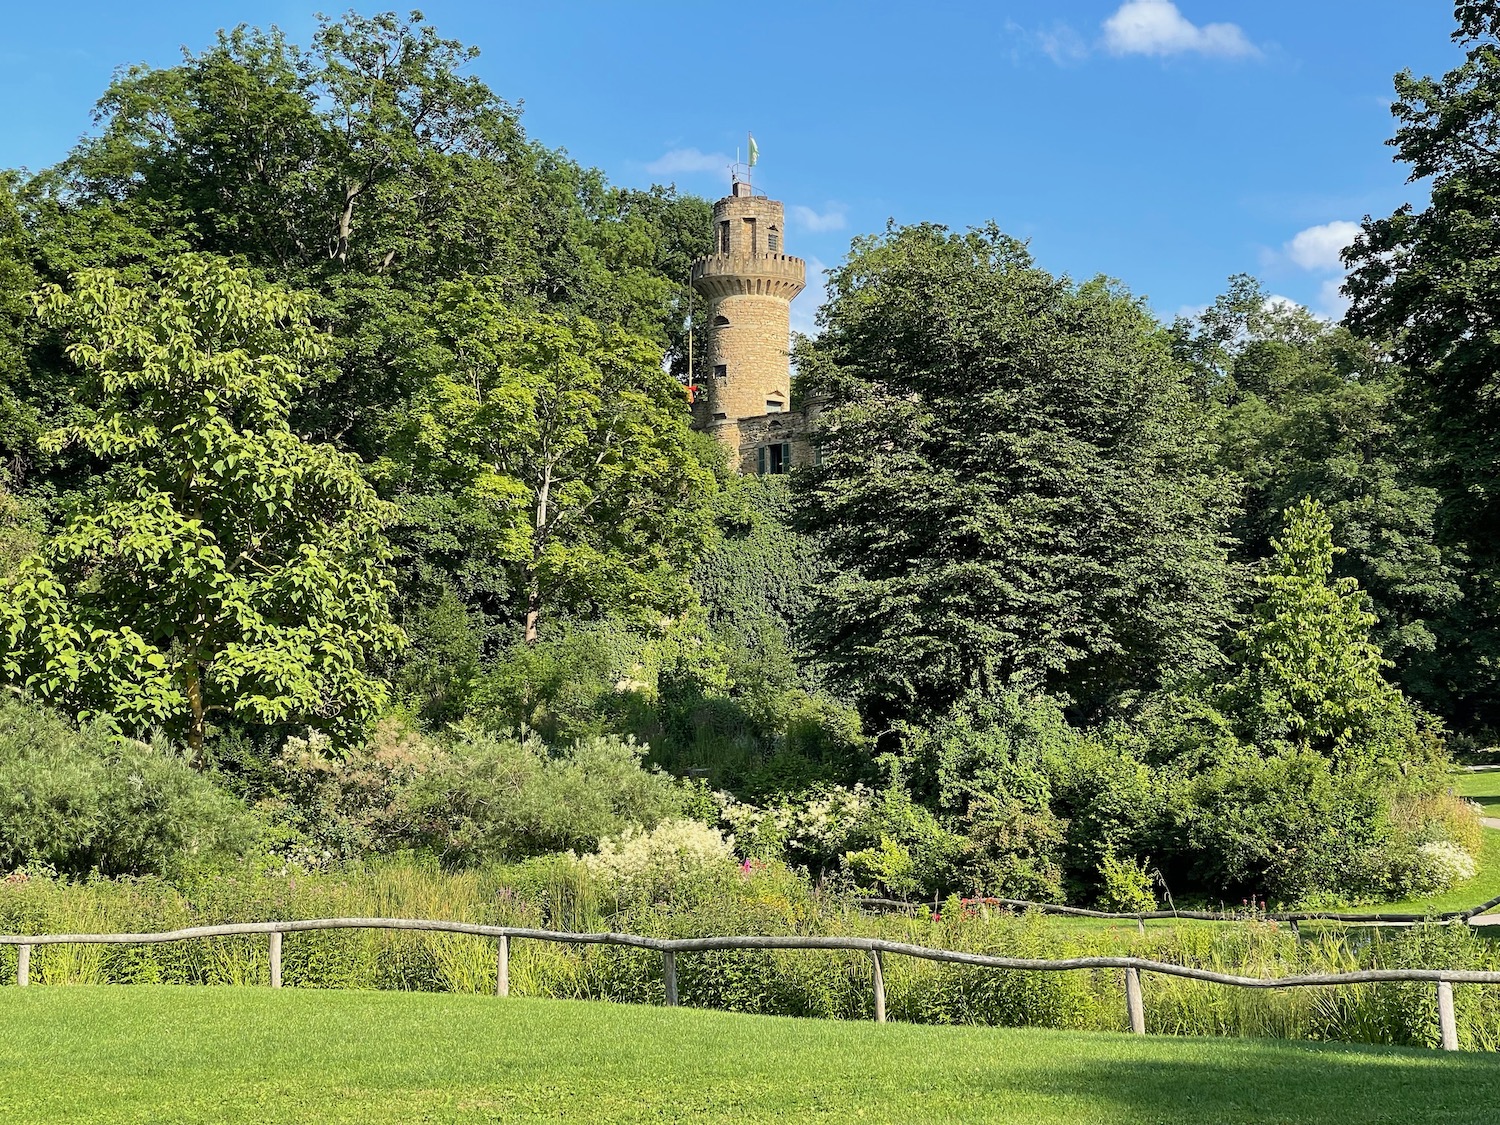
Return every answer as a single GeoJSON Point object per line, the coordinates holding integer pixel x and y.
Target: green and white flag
{"type": "Point", "coordinates": [754, 150]}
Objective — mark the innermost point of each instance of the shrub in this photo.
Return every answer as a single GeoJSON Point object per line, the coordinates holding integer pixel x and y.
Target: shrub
{"type": "Point", "coordinates": [504, 797]}
{"type": "Point", "coordinates": [1125, 884]}
{"type": "Point", "coordinates": [343, 808]}
{"type": "Point", "coordinates": [678, 860]}
{"type": "Point", "coordinates": [83, 799]}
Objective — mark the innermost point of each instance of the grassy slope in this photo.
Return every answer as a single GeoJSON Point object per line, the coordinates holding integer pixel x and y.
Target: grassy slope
{"type": "Point", "coordinates": [164, 1054]}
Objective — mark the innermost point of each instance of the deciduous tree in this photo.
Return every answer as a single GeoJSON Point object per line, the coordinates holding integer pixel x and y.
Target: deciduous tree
{"type": "Point", "coordinates": [231, 568]}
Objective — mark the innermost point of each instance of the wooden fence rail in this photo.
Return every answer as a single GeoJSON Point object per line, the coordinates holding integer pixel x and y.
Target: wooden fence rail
{"type": "Point", "coordinates": [1144, 916]}
{"type": "Point", "coordinates": [669, 948]}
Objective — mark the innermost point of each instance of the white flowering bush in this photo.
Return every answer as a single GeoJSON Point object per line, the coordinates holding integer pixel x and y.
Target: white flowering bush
{"type": "Point", "coordinates": [814, 829]}
{"type": "Point", "coordinates": [1440, 865]}
{"type": "Point", "coordinates": [677, 860]}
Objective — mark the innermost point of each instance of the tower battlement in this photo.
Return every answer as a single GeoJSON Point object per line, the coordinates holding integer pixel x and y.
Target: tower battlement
{"type": "Point", "coordinates": [771, 275]}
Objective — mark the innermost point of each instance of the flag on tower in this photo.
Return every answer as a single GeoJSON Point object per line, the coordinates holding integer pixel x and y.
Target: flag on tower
{"type": "Point", "coordinates": [754, 150]}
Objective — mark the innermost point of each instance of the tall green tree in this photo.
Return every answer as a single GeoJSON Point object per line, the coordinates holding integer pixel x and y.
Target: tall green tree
{"type": "Point", "coordinates": [1426, 281]}
{"type": "Point", "coordinates": [1308, 409]}
{"type": "Point", "coordinates": [1015, 485]}
{"type": "Point", "coordinates": [231, 569]}
{"type": "Point", "coordinates": [1310, 675]}
{"type": "Point", "coordinates": [568, 448]}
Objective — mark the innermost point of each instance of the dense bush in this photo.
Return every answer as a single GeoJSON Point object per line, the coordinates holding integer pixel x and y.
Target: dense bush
{"type": "Point", "coordinates": [505, 797]}
{"type": "Point", "coordinates": [83, 799]}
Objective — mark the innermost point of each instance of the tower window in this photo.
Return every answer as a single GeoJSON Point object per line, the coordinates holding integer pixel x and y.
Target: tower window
{"type": "Point", "coordinates": [773, 241]}
{"type": "Point", "coordinates": [773, 406]}
{"type": "Point", "coordinates": [721, 322]}
{"type": "Point", "coordinates": [750, 236]}
{"type": "Point", "coordinates": [721, 371]}
{"type": "Point", "coordinates": [724, 237]}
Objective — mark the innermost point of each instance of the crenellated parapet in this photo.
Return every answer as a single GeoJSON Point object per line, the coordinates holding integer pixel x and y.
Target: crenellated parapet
{"type": "Point", "coordinates": [769, 275]}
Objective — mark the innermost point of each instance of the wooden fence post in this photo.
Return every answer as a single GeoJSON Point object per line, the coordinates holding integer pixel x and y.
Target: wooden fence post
{"type": "Point", "coordinates": [23, 965]}
{"type": "Point", "coordinates": [1447, 1025]}
{"type": "Point", "coordinates": [669, 975]}
{"type": "Point", "coordinates": [502, 967]}
{"type": "Point", "coordinates": [1133, 1003]}
{"type": "Point", "coordinates": [879, 986]}
{"type": "Point", "coordinates": [275, 936]}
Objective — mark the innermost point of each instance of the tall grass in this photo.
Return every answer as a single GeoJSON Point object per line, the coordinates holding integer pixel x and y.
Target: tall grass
{"type": "Point", "coordinates": [557, 894]}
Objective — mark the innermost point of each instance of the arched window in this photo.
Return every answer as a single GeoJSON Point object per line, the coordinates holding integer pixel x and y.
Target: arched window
{"type": "Point", "coordinates": [721, 322]}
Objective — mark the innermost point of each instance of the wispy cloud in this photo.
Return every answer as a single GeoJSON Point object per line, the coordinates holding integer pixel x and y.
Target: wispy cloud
{"type": "Point", "coordinates": [832, 217]}
{"type": "Point", "coordinates": [688, 160]}
{"type": "Point", "coordinates": [1156, 27]}
{"type": "Point", "coordinates": [1318, 248]}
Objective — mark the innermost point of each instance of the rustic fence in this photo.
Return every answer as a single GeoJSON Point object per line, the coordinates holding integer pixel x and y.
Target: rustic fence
{"type": "Point", "coordinates": [874, 948]}
{"type": "Point", "coordinates": [1140, 918]}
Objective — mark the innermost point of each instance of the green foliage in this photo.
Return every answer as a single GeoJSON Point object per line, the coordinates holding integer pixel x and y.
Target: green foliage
{"type": "Point", "coordinates": [232, 568]}
{"type": "Point", "coordinates": [763, 569]}
{"type": "Point", "coordinates": [502, 797]}
{"type": "Point", "coordinates": [1015, 487]}
{"type": "Point", "coordinates": [1310, 410]}
{"type": "Point", "coordinates": [1309, 674]}
{"type": "Point", "coordinates": [568, 450]}
{"type": "Point", "coordinates": [78, 800]}
{"type": "Point", "coordinates": [1125, 884]}
{"type": "Point", "coordinates": [1423, 279]}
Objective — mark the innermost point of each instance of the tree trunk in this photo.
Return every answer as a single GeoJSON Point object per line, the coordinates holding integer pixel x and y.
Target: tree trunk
{"type": "Point", "coordinates": [195, 701]}
{"type": "Point", "coordinates": [534, 571]}
{"type": "Point", "coordinates": [533, 605]}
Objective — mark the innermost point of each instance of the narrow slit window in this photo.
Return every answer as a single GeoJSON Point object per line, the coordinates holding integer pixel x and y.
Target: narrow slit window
{"type": "Point", "coordinates": [724, 237]}
{"type": "Point", "coordinates": [750, 236]}
{"type": "Point", "coordinates": [773, 241]}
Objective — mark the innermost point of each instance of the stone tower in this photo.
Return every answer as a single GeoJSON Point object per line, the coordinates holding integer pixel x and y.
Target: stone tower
{"type": "Point", "coordinates": [749, 283]}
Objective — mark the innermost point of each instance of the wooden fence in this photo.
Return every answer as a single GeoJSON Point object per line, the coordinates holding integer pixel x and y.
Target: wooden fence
{"type": "Point", "coordinates": [1142, 917]}
{"type": "Point", "coordinates": [874, 948]}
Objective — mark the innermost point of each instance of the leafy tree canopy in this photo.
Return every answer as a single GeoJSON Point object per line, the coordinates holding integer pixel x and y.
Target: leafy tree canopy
{"type": "Point", "coordinates": [1015, 485]}
{"type": "Point", "coordinates": [569, 450]}
{"type": "Point", "coordinates": [1425, 279]}
{"type": "Point", "coordinates": [231, 568]}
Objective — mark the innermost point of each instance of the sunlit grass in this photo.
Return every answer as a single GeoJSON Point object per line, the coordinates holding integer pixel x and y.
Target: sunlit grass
{"type": "Point", "coordinates": [161, 1054]}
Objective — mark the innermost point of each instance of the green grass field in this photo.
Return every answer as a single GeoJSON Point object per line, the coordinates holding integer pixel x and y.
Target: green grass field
{"type": "Point", "coordinates": [1482, 788]}
{"type": "Point", "coordinates": [164, 1054]}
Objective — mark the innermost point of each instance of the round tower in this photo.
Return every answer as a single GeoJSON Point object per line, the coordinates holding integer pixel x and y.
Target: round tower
{"type": "Point", "coordinates": [749, 283]}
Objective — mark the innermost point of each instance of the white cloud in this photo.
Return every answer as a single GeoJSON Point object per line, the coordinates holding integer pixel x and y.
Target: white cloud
{"type": "Point", "coordinates": [681, 160]}
{"type": "Point", "coordinates": [1318, 248]}
{"type": "Point", "coordinates": [1156, 27]}
{"type": "Point", "coordinates": [831, 218]}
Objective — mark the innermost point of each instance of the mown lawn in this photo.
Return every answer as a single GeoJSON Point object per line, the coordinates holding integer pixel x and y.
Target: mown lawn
{"type": "Point", "coordinates": [181, 1054]}
{"type": "Point", "coordinates": [1483, 788]}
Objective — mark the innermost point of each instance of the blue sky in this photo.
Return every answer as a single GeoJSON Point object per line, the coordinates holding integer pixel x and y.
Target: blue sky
{"type": "Point", "coordinates": [1168, 145]}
